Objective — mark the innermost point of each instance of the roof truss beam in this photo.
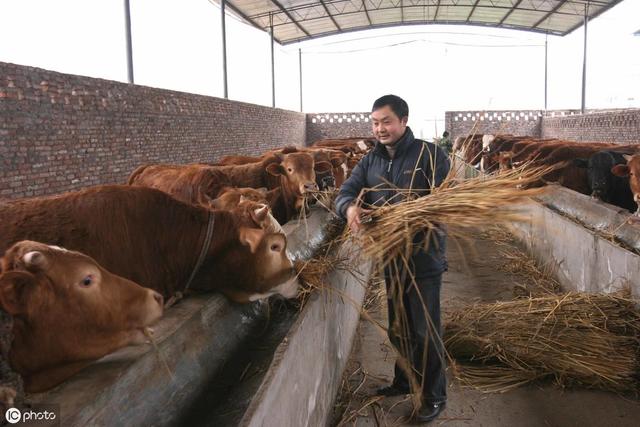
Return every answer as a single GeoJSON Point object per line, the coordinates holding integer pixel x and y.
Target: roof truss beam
{"type": "Point", "coordinates": [286, 12]}
{"type": "Point", "coordinates": [326, 9]}
{"type": "Point", "coordinates": [515, 6]}
{"type": "Point", "coordinates": [551, 12]}
{"type": "Point", "coordinates": [473, 9]}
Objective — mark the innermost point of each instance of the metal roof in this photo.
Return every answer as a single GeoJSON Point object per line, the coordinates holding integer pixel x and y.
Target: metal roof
{"type": "Point", "coordinates": [300, 20]}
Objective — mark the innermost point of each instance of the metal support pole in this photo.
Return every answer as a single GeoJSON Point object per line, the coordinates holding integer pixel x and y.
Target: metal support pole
{"type": "Point", "coordinates": [546, 47]}
{"type": "Point", "coordinates": [223, 4]}
{"type": "Point", "coordinates": [273, 72]}
{"type": "Point", "coordinates": [584, 58]}
{"type": "Point", "coordinates": [127, 25]}
{"type": "Point", "coordinates": [300, 66]}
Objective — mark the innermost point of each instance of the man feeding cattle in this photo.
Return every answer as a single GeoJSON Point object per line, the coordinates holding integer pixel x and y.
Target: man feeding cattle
{"type": "Point", "coordinates": [399, 162]}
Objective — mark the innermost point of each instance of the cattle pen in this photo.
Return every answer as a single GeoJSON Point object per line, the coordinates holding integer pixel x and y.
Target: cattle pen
{"type": "Point", "coordinates": [172, 252]}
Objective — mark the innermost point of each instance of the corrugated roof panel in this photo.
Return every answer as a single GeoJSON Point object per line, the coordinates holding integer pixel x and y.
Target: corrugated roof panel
{"type": "Point", "coordinates": [287, 32]}
{"type": "Point", "coordinates": [311, 12]}
{"type": "Point", "coordinates": [487, 14]}
{"type": "Point", "coordinates": [498, 3]}
{"type": "Point", "coordinates": [525, 19]}
{"type": "Point", "coordinates": [321, 25]}
{"type": "Point", "coordinates": [384, 16]}
{"type": "Point", "coordinates": [454, 13]}
{"type": "Point", "coordinates": [419, 13]}
{"type": "Point", "coordinates": [558, 16]}
{"type": "Point", "coordinates": [539, 5]}
{"type": "Point", "coordinates": [560, 23]}
{"type": "Point", "coordinates": [253, 7]}
{"type": "Point", "coordinates": [352, 20]}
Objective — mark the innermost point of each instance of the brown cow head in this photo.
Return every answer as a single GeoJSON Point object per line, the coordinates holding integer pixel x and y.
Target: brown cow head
{"type": "Point", "coordinates": [248, 203]}
{"type": "Point", "coordinates": [255, 267]}
{"type": "Point", "coordinates": [504, 160]}
{"type": "Point", "coordinates": [92, 312]}
{"type": "Point", "coordinates": [632, 170]}
{"type": "Point", "coordinates": [296, 173]}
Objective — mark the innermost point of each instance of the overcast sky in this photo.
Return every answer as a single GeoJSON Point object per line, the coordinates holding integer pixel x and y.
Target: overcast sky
{"type": "Point", "coordinates": [177, 45]}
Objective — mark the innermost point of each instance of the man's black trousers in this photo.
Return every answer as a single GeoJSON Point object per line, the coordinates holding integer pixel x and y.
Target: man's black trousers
{"type": "Point", "coordinates": [415, 331]}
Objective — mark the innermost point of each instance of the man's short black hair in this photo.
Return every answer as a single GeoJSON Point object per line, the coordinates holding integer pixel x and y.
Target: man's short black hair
{"type": "Point", "coordinates": [445, 134]}
{"type": "Point", "coordinates": [398, 105]}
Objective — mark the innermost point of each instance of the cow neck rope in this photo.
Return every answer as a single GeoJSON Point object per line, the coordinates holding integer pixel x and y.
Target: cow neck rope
{"type": "Point", "coordinates": [203, 252]}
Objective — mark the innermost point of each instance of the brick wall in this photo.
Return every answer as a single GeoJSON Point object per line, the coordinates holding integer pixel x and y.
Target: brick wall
{"type": "Point", "coordinates": [61, 132]}
{"type": "Point", "coordinates": [337, 125]}
{"type": "Point", "coordinates": [621, 126]}
{"type": "Point", "coordinates": [515, 122]}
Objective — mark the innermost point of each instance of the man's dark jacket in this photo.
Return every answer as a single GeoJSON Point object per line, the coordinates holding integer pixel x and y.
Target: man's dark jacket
{"type": "Point", "coordinates": [377, 169]}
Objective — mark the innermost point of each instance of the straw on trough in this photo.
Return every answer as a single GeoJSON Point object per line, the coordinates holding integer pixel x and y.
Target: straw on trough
{"type": "Point", "coordinates": [591, 340]}
{"type": "Point", "coordinates": [539, 279]}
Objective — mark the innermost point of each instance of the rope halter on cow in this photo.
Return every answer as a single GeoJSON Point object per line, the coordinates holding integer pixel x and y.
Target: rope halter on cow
{"type": "Point", "coordinates": [203, 253]}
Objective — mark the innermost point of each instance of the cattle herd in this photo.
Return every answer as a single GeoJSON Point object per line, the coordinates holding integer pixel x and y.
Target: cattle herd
{"type": "Point", "coordinates": [87, 272]}
{"type": "Point", "coordinates": [606, 171]}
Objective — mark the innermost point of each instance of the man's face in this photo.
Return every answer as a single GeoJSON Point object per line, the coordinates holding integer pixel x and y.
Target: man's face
{"type": "Point", "coordinates": [387, 127]}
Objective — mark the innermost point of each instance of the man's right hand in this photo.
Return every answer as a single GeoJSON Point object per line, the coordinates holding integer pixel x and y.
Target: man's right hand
{"type": "Point", "coordinates": [354, 214]}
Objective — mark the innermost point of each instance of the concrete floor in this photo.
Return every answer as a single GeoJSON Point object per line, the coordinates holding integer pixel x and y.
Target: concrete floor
{"type": "Point", "coordinates": [475, 278]}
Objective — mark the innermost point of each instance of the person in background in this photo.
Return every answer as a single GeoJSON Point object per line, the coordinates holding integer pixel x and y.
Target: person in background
{"type": "Point", "coordinates": [405, 162]}
{"type": "Point", "coordinates": [445, 142]}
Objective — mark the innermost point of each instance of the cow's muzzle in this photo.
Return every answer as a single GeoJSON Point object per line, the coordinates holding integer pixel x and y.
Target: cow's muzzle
{"type": "Point", "coordinates": [328, 182]}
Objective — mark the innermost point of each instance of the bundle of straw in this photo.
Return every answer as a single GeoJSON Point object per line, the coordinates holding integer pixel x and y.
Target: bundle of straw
{"type": "Point", "coordinates": [472, 203]}
{"type": "Point", "coordinates": [591, 340]}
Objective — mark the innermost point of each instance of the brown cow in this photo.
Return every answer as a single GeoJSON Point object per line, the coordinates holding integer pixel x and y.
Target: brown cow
{"type": "Point", "coordinates": [250, 203]}
{"type": "Point", "coordinates": [631, 170]}
{"type": "Point", "coordinates": [293, 173]}
{"type": "Point", "coordinates": [322, 159]}
{"type": "Point", "coordinates": [155, 240]}
{"type": "Point", "coordinates": [92, 311]}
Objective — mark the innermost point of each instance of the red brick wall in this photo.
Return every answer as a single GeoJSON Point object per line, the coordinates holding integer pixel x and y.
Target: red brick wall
{"type": "Point", "coordinates": [337, 125]}
{"type": "Point", "coordinates": [620, 126]}
{"type": "Point", "coordinates": [61, 132]}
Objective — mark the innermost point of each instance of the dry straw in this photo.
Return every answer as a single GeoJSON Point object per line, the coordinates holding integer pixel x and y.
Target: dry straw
{"type": "Point", "coordinates": [592, 340]}
{"type": "Point", "coordinates": [472, 203]}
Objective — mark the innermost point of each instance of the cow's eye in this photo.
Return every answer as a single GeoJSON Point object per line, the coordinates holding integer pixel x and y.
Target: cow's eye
{"type": "Point", "coordinates": [290, 170]}
{"type": "Point", "coordinates": [87, 281]}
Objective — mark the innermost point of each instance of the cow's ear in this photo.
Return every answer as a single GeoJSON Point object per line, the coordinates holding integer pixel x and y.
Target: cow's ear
{"type": "Point", "coordinates": [580, 163]}
{"type": "Point", "coordinates": [338, 159]}
{"type": "Point", "coordinates": [275, 169]}
{"type": "Point", "coordinates": [289, 149]}
{"type": "Point", "coordinates": [620, 170]}
{"type": "Point", "coordinates": [14, 290]}
{"type": "Point", "coordinates": [322, 167]}
{"type": "Point", "coordinates": [251, 237]}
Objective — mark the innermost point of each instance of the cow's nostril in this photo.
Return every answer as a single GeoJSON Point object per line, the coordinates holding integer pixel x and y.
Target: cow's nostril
{"type": "Point", "coordinates": [159, 299]}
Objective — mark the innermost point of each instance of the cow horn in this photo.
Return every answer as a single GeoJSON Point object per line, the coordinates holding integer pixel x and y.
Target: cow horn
{"type": "Point", "coordinates": [34, 259]}
{"type": "Point", "coordinates": [261, 213]}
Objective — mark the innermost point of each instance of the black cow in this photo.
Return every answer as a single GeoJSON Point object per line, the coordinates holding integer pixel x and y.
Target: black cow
{"type": "Point", "coordinates": [604, 184]}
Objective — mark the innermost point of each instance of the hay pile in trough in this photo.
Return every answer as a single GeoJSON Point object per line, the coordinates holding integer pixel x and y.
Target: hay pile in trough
{"type": "Point", "coordinates": [591, 340]}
